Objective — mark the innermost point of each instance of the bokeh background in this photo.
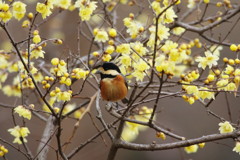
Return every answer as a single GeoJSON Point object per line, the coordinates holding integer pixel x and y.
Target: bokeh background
{"type": "Point", "coordinates": [183, 119]}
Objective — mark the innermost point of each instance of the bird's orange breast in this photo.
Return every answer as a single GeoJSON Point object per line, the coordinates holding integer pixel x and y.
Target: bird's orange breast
{"type": "Point", "coordinates": [113, 89]}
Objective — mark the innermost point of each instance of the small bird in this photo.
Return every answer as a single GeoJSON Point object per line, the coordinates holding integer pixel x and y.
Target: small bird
{"type": "Point", "coordinates": [112, 85]}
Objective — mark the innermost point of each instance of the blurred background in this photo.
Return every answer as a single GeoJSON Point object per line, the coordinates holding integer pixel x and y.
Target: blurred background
{"type": "Point", "coordinates": [190, 121]}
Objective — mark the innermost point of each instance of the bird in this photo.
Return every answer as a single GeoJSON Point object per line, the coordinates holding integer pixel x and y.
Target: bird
{"type": "Point", "coordinates": [113, 85]}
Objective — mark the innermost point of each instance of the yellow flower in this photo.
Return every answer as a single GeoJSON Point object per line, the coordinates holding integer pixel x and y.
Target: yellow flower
{"type": "Point", "coordinates": [37, 52]}
{"type": "Point", "coordinates": [68, 108]}
{"type": "Point", "coordinates": [134, 28]}
{"type": "Point", "coordinates": [123, 48]}
{"type": "Point", "coordinates": [191, 149]}
{"type": "Point", "coordinates": [36, 39]}
{"type": "Point", "coordinates": [79, 73]}
{"type": "Point", "coordinates": [112, 32]}
{"type": "Point", "coordinates": [3, 62]}
{"type": "Point", "coordinates": [86, 9]}
{"type": "Point", "coordinates": [141, 66]}
{"type": "Point", "coordinates": [233, 47]}
{"type": "Point", "coordinates": [221, 84]}
{"type": "Point", "coordinates": [130, 132]}
{"type": "Point", "coordinates": [191, 100]}
{"type": "Point", "coordinates": [19, 10]}
{"type": "Point", "coordinates": [125, 60]}
{"type": "Point", "coordinates": [225, 127]}
{"type": "Point", "coordinates": [168, 46]}
{"type": "Point", "coordinates": [106, 57]}
{"type": "Point", "coordinates": [237, 72]}
{"type": "Point", "coordinates": [59, 70]}
{"type": "Point", "coordinates": [110, 50]}
{"type": "Point", "coordinates": [26, 23]}
{"type": "Point", "coordinates": [204, 93]}
{"type": "Point", "coordinates": [127, 21]}
{"type": "Point", "coordinates": [139, 75]}
{"type": "Point", "coordinates": [12, 90]}
{"type": "Point", "coordinates": [176, 56]}
{"type": "Point", "coordinates": [5, 16]}
{"type": "Point", "coordinates": [55, 61]}
{"type": "Point", "coordinates": [139, 48]}
{"type": "Point", "coordinates": [23, 112]}
{"type": "Point", "coordinates": [85, 14]}
{"type": "Point", "coordinates": [230, 87]}
{"type": "Point", "coordinates": [237, 147]}
{"type": "Point", "coordinates": [143, 116]}
{"type": "Point", "coordinates": [51, 101]}
{"type": "Point", "coordinates": [64, 96]}
{"type": "Point", "coordinates": [65, 80]}
{"type": "Point", "coordinates": [163, 65]}
{"type": "Point", "coordinates": [19, 132]}
{"type": "Point", "coordinates": [206, 1]}
{"type": "Point", "coordinates": [101, 36]}
{"type": "Point", "coordinates": [151, 40]}
{"type": "Point", "coordinates": [95, 54]}
{"type": "Point", "coordinates": [156, 7]}
{"type": "Point", "coordinates": [64, 4]}
{"type": "Point", "coordinates": [209, 60]}
{"type": "Point", "coordinates": [163, 32]}
{"type": "Point", "coordinates": [3, 6]}
{"type": "Point", "coordinates": [191, 3]}
{"type": "Point", "coordinates": [178, 30]}
{"type": "Point", "coordinates": [79, 113]}
{"type": "Point", "coordinates": [161, 135]}
{"type": "Point", "coordinates": [44, 9]}
{"type": "Point", "coordinates": [191, 89]}
{"type": "Point", "coordinates": [201, 145]}
{"type": "Point", "coordinates": [169, 15]}
{"type": "Point", "coordinates": [3, 150]}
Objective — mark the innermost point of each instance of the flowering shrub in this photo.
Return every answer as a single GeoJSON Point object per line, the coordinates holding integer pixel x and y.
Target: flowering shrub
{"type": "Point", "coordinates": [164, 48]}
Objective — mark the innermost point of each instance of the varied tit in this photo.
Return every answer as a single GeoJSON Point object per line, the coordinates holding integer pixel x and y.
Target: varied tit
{"type": "Point", "coordinates": [112, 85]}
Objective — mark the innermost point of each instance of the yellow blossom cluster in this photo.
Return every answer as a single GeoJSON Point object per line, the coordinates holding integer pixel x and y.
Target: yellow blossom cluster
{"type": "Point", "coordinates": [174, 58]}
{"type": "Point", "coordinates": [17, 10]}
{"type": "Point", "coordinates": [21, 79]}
{"type": "Point", "coordinates": [161, 135]}
{"type": "Point", "coordinates": [237, 147]}
{"type": "Point", "coordinates": [23, 111]}
{"type": "Point", "coordinates": [134, 27]}
{"type": "Point", "coordinates": [131, 129]}
{"type": "Point", "coordinates": [193, 148]}
{"type": "Point", "coordinates": [46, 82]}
{"type": "Point", "coordinates": [132, 60]}
{"type": "Point", "coordinates": [79, 113]}
{"type": "Point", "coordinates": [79, 73]}
{"type": "Point", "coordinates": [86, 8]}
{"type": "Point", "coordinates": [103, 35]}
{"type": "Point", "coordinates": [61, 95]}
{"type": "Point", "coordinates": [59, 67]}
{"type": "Point", "coordinates": [68, 108]}
{"type": "Point", "coordinates": [225, 3]}
{"type": "Point", "coordinates": [132, 49]}
{"type": "Point", "coordinates": [5, 13]}
{"type": "Point", "coordinates": [209, 60]}
{"type": "Point", "coordinates": [100, 35]}
{"type": "Point", "coordinates": [225, 127]}
{"type": "Point", "coordinates": [230, 77]}
{"type": "Point", "coordinates": [3, 150]}
{"type": "Point", "coordinates": [46, 8]}
{"type": "Point", "coordinates": [19, 133]}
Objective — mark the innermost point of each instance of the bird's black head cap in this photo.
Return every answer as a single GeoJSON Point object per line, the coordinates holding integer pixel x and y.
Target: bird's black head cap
{"type": "Point", "coordinates": [110, 66]}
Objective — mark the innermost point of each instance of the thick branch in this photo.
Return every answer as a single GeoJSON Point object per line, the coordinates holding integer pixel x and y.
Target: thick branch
{"type": "Point", "coordinates": [154, 147]}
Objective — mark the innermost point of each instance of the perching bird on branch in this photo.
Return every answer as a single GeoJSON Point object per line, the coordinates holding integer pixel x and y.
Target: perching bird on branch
{"type": "Point", "coordinates": [112, 85]}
